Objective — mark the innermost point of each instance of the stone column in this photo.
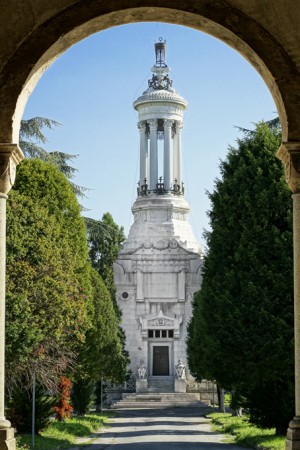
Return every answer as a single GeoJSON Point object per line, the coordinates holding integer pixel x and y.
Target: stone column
{"type": "Point", "coordinates": [153, 155]}
{"type": "Point", "coordinates": [177, 153]}
{"type": "Point", "coordinates": [167, 154]}
{"type": "Point", "coordinates": [289, 154]}
{"type": "Point", "coordinates": [181, 286]}
{"type": "Point", "coordinates": [143, 152]}
{"type": "Point", "coordinates": [10, 156]}
{"type": "Point", "coordinates": [146, 154]}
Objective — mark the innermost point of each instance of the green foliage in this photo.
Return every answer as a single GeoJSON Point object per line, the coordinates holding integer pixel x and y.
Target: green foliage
{"type": "Point", "coordinates": [61, 435]}
{"type": "Point", "coordinates": [48, 287]}
{"type": "Point", "coordinates": [246, 434]}
{"type": "Point", "coordinates": [241, 333]}
{"type": "Point", "coordinates": [19, 409]}
{"type": "Point", "coordinates": [102, 354]}
{"type": "Point", "coordinates": [105, 239]}
{"type": "Point", "coordinates": [31, 132]}
{"type": "Point", "coordinates": [83, 396]}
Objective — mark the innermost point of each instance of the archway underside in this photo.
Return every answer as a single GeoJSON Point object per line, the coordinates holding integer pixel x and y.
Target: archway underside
{"type": "Point", "coordinates": [38, 35]}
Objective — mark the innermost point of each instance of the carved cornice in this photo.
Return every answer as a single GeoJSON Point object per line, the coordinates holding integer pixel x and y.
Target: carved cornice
{"type": "Point", "coordinates": [164, 96]}
{"type": "Point", "coordinates": [10, 156]}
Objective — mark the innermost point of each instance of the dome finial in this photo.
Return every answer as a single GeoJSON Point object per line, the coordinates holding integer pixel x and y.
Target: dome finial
{"type": "Point", "coordinates": [160, 53]}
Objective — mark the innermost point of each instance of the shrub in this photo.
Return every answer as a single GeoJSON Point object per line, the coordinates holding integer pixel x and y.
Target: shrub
{"type": "Point", "coordinates": [63, 409]}
{"type": "Point", "coordinates": [83, 396]}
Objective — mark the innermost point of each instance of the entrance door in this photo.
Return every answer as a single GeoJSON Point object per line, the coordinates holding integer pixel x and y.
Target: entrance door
{"type": "Point", "coordinates": [161, 360]}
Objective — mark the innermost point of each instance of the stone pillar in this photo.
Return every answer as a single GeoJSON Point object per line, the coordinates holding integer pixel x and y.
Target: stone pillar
{"type": "Point", "coordinates": [143, 152]}
{"type": "Point", "coordinates": [141, 386]}
{"type": "Point", "coordinates": [139, 286]}
{"type": "Point", "coordinates": [10, 156]}
{"type": "Point", "coordinates": [153, 155]}
{"type": "Point", "coordinates": [180, 385]}
{"type": "Point", "coordinates": [289, 154]}
{"type": "Point", "coordinates": [177, 153]}
{"type": "Point", "coordinates": [167, 154]}
{"type": "Point", "coordinates": [146, 155]}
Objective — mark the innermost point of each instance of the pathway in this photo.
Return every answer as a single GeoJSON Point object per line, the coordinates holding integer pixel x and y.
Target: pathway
{"type": "Point", "coordinates": [165, 429]}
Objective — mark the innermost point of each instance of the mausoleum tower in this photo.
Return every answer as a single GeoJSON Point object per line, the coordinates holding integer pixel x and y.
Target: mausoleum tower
{"type": "Point", "coordinates": [159, 266]}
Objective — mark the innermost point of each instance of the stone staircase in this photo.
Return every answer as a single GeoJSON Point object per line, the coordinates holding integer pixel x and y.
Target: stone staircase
{"type": "Point", "coordinates": [158, 400]}
{"type": "Point", "coordinates": [160, 384]}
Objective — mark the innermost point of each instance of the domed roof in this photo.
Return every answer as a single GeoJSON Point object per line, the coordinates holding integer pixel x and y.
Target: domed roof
{"type": "Point", "coordinates": [160, 95]}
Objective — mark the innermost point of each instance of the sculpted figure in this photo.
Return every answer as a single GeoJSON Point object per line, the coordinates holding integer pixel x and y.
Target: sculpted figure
{"type": "Point", "coordinates": [180, 370]}
{"type": "Point", "coordinates": [141, 370]}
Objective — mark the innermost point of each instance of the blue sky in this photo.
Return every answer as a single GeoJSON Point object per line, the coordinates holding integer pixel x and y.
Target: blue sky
{"type": "Point", "coordinates": [90, 90]}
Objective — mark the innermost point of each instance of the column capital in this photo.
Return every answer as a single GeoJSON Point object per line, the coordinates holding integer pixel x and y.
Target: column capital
{"type": "Point", "coordinates": [168, 123]}
{"type": "Point", "coordinates": [152, 123]}
{"type": "Point", "coordinates": [141, 126]}
{"type": "Point", "coordinates": [289, 155]}
{"type": "Point", "coordinates": [10, 156]}
{"type": "Point", "coordinates": [179, 125]}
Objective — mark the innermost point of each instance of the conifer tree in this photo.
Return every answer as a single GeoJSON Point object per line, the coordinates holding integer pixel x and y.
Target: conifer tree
{"type": "Point", "coordinates": [31, 139]}
{"type": "Point", "coordinates": [48, 285]}
{"type": "Point", "coordinates": [241, 332]}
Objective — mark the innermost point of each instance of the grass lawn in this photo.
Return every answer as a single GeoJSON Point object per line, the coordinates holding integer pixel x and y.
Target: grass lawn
{"type": "Point", "coordinates": [62, 435]}
{"type": "Point", "coordinates": [245, 434]}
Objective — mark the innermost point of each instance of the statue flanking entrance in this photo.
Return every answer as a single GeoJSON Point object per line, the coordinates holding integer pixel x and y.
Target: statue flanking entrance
{"type": "Point", "coordinates": [159, 267]}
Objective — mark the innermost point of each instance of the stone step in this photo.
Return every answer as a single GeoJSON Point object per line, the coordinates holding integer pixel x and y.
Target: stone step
{"type": "Point", "coordinates": [160, 384]}
{"type": "Point", "coordinates": [162, 400]}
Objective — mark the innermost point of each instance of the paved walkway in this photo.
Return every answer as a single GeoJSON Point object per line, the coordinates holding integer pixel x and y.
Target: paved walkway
{"type": "Point", "coordinates": [166, 429]}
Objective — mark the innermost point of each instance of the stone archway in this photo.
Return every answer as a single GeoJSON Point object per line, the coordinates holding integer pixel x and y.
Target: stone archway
{"type": "Point", "coordinates": [33, 35]}
{"type": "Point", "coordinates": [54, 29]}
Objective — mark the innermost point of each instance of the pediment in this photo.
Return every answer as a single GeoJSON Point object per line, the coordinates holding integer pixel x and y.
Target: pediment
{"type": "Point", "coordinates": [160, 322]}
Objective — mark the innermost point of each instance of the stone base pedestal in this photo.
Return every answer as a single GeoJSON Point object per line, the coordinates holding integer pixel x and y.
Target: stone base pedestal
{"type": "Point", "coordinates": [7, 439]}
{"type": "Point", "coordinates": [180, 385]}
{"type": "Point", "coordinates": [140, 386]}
{"type": "Point", "coordinates": [293, 435]}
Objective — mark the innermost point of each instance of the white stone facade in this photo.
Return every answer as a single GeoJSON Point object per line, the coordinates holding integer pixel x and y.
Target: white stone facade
{"type": "Point", "coordinates": [159, 267]}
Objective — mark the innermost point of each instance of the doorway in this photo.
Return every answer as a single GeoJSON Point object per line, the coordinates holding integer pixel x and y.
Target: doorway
{"type": "Point", "coordinates": [161, 360]}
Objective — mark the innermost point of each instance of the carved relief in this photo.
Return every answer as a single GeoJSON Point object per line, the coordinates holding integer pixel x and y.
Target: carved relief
{"type": "Point", "coordinates": [176, 215]}
{"type": "Point", "coordinates": [161, 266]}
{"type": "Point", "coordinates": [160, 321]}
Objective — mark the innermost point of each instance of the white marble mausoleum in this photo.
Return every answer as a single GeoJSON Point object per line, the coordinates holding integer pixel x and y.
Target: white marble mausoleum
{"type": "Point", "coordinates": [159, 267]}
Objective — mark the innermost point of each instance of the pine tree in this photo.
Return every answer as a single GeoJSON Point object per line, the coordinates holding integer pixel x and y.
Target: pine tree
{"type": "Point", "coordinates": [32, 135]}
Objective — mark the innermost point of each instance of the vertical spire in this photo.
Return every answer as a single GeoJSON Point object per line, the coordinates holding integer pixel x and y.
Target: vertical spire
{"type": "Point", "coordinates": [160, 79]}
